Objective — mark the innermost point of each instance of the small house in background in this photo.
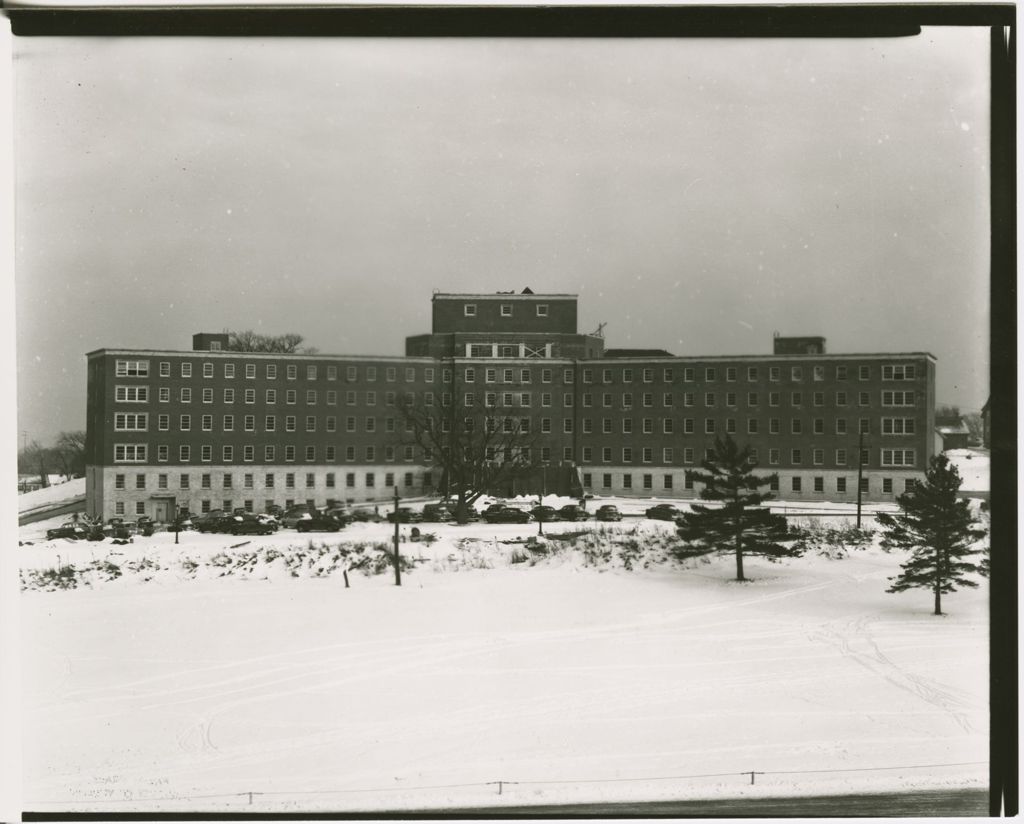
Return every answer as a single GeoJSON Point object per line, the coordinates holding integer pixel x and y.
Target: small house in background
{"type": "Point", "coordinates": [952, 436]}
{"type": "Point", "coordinates": [986, 425]}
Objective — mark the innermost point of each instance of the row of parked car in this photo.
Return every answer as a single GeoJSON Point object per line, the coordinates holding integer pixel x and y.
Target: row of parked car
{"type": "Point", "coordinates": [305, 519]}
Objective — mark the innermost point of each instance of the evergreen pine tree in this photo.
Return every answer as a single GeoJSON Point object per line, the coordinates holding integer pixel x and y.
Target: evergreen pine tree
{"type": "Point", "coordinates": [738, 523]}
{"type": "Point", "coordinates": [940, 532]}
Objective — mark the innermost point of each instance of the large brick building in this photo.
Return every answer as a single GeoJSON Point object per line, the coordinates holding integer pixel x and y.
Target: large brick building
{"type": "Point", "coordinates": [211, 428]}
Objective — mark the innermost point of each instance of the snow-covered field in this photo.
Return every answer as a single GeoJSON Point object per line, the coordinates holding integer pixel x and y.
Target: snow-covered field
{"type": "Point", "coordinates": [568, 674]}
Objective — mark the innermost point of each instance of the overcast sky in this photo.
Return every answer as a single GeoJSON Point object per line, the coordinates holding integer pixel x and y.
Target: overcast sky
{"type": "Point", "coordinates": [698, 195]}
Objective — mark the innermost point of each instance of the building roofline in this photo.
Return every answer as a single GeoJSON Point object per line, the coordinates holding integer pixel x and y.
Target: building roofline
{"type": "Point", "coordinates": [502, 295]}
{"type": "Point", "coordinates": [202, 353]}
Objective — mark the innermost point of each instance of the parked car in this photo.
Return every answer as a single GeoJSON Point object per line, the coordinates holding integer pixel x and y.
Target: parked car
{"type": "Point", "coordinates": [501, 514]}
{"type": "Point", "coordinates": [544, 513]}
{"type": "Point", "coordinates": [663, 512]}
{"type": "Point", "coordinates": [608, 512]}
{"type": "Point", "coordinates": [68, 530]}
{"type": "Point", "coordinates": [437, 513]}
{"type": "Point", "coordinates": [319, 523]}
{"type": "Point", "coordinates": [404, 515]}
{"type": "Point", "coordinates": [213, 522]}
{"type": "Point", "coordinates": [573, 512]}
{"type": "Point", "coordinates": [292, 516]}
{"type": "Point", "coordinates": [145, 526]}
{"type": "Point", "coordinates": [276, 510]}
{"type": "Point", "coordinates": [342, 514]}
{"type": "Point", "coordinates": [117, 528]}
{"type": "Point", "coordinates": [364, 515]}
{"type": "Point", "coordinates": [271, 520]}
{"type": "Point", "coordinates": [249, 525]}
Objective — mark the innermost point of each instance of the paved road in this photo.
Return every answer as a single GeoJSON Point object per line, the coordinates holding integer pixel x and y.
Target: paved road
{"type": "Point", "coordinates": [925, 804]}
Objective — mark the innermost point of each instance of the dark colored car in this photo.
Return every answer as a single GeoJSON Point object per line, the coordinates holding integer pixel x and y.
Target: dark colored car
{"type": "Point", "coordinates": [342, 514]}
{"type": "Point", "coordinates": [608, 512]}
{"type": "Point", "coordinates": [364, 515]}
{"type": "Point", "coordinates": [68, 530]}
{"type": "Point", "coordinates": [500, 514]}
{"type": "Point", "coordinates": [404, 515]}
{"type": "Point", "coordinates": [214, 523]}
{"type": "Point", "coordinates": [663, 512]}
{"type": "Point", "coordinates": [249, 525]}
{"type": "Point", "coordinates": [545, 514]}
{"type": "Point", "coordinates": [145, 526]}
{"type": "Point", "coordinates": [294, 515]}
{"type": "Point", "coordinates": [437, 513]}
{"type": "Point", "coordinates": [572, 512]}
{"type": "Point", "coordinates": [319, 523]}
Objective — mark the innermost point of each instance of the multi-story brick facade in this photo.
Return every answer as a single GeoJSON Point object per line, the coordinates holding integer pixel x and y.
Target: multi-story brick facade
{"type": "Point", "coordinates": [211, 428]}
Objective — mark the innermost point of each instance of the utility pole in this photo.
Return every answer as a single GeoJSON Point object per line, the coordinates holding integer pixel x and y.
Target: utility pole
{"type": "Point", "coordinates": [398, 557]}
{"type": "Point", "coordinates": [860, 472]}
{"type": "Point", "coordinates": [540, 499]}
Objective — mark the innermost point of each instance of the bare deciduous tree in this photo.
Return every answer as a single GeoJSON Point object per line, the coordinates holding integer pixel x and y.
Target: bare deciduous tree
{"type": "Point", "coordinates": [477, 448]}
{"type": "Point", "coordinates": [289, 343]}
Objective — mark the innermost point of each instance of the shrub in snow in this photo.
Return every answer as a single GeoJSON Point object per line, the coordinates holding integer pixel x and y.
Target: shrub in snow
{"type": "Point", "coordinates": [62, 577]}
{"type": "Point", "coordinates": [833, 542]}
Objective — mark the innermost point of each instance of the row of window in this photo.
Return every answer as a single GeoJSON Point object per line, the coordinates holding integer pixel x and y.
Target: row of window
{"type": "Point", "coordinates": [248, 504]}
{"type": "Point", "coordinates": [140, 369]}
{"type": "Point", "coordinates": [139, 422]}
{"type": "Point", "coordinates": [138, 453]}
{"type": "Point", "coordinates": [625, 400]}
{"type": "Point", "coordinates": [796, 483]}
{"type": "Point", "coordinates": [248, 480]}
{"type": "Point", "coordinates": [505, 310]}
{"type": "Point", "coordinates": [709, 374]}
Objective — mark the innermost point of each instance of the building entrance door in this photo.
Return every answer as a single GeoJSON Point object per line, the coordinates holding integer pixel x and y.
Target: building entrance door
{"type": "Point", "coordinates": [162, 511]}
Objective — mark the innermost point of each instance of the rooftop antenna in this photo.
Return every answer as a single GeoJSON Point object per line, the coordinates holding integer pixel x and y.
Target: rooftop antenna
{"type": "Point", "coordinates": [599, 332]}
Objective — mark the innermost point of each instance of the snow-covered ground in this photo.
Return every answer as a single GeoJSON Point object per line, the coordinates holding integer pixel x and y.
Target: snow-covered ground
{"type": "Point", "coordinates": [179, 687]}
{"type": "Point", "coordinates": [55, 494]}
{"type": "Point", "coordinates": [974, 466]}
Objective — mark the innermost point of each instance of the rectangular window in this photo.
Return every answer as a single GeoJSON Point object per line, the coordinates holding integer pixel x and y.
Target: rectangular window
{"type": "Point", "coordinates": [796, 457]}
{"type": "Point", "coordinates": [271, 396]}
{"type": "Point", "coordinates": [131, 394]}
{"type": "Point", "coordinates": [818, 457]}
{"type": "Point", "coordinates": [206, 423]}
{"type": "Point", "coordinates": [229, 396]}
{"type": "Point", "coordinates": [898, 372]}
{"type": "Point", "coordinates": [840, 484]}
{"type": "Point", "coordinates": [250, 396]}
{"type": "Point", "coordinates": [797, 484]}
{"type": "Point", "coordinates": [687, 426]}
{"type": "Point", "coordinates": [270, 453]}
{"type": "Point", "coordinates": [864, 373]}
{"type": "Point", "coordinates": [627, 481]}
{"type": "Point", "coordinates": [898, 457]}
{"type": "Point", "coordinates": [796, 426]}
{"type": "Point", "coordinates": [271, 371]}
{"type": "Point", "coordinates": [774, 456]}
{"type": "Point", "coordinates": [227, 453]}
{"type": "Point", "coordinates": [730, 373]}
{"type": "Point", "coordinates": [898, 426]}
{"type": "Point", "coordinates": [890, 398]}
{"type": "Point", "coordinates": [131, 421]}
{"type": "Point", "coordinates": [248, 452]}
{"type": "Point", "coordinates": [184, 453]}
{"type": "Point", "coordinates": [291, 372]}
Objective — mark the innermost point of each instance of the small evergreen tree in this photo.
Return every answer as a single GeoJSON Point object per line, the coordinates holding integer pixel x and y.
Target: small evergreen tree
{"type": "Point", "coordinates": [940, 532]}
{"type": "Point", "coordinates": [739, 523]}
